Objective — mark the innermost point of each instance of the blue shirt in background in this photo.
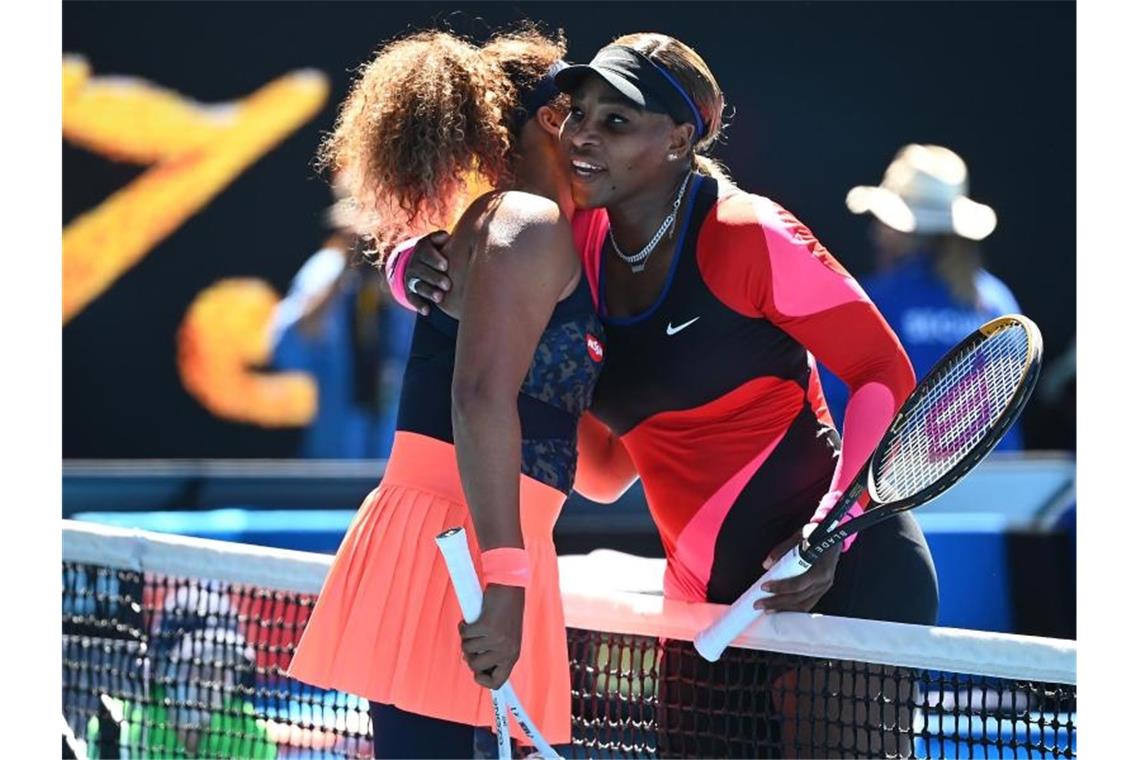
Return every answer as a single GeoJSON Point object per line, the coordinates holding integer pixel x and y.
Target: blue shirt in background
{"type": "Point", "coordinates": [928, 321]}
{"type": "Point", "coordinates": [356, 405]}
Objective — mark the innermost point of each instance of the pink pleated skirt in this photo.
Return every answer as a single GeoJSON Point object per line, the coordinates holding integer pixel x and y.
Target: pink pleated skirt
{"type": "Point", "coordinates": [385, 626]}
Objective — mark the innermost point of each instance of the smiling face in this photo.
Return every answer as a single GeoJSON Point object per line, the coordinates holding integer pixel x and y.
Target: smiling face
{"type": "Point", "coordinates": [615, 149]}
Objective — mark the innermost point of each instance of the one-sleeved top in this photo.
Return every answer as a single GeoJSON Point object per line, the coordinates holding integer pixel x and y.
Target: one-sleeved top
{"type": "Point", "coordinates": [714, 389]}
{"type": "Point", "coordinates": [558, 386]}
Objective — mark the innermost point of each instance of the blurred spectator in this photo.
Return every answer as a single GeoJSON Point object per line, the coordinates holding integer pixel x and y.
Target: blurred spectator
{"type": "Point", "coordinates": [339, 324]}
{"type": "Point", "coordinates": [202, 677]}
{"type": "Point", "coordinates": [928, 281]}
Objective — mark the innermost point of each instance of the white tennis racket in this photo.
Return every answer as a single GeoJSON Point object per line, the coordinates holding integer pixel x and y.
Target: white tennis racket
{"type": "Point", "coordinates": [453, 546]}
{"type": "Point", "coordinates": [947, 425]}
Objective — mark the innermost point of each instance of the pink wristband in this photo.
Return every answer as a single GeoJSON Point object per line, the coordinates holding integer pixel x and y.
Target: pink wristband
{"type": "Point", "coordinates": [394, 271]}
{"type": "Point", "coordinates": [506, 566]}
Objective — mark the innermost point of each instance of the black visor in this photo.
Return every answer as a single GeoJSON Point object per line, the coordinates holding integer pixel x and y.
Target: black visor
{"type": "Point", "coordinates": [543, 91]}
{"type": "Point", "coordinates": [638, 79]}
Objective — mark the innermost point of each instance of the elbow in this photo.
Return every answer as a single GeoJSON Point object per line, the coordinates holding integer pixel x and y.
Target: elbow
{"type": "Point", "coordinates": [898, 377]}
{"type": "Point", "coordinates": [892, 372]}
{"type": "Point", "coordinates": [475, 396]}
{"type": "Point", "coordinates": [905, 378]}
{"type": "Point", "coordinates": [600, 490]}
{"type": "Point", "coordinates": [597, 493]}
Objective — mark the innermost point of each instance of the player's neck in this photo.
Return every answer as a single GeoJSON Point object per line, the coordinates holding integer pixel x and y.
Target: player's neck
{"type": "Point", "coordinates": [634, 221]}
{"type": "Point", "coordinates": [537, 178]}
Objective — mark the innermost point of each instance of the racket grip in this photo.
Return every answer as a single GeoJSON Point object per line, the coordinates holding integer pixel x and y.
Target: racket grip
{"type": "Point", "coordinates": [712, 641]}
{"type": "Point", "coordinates": [457, 556]}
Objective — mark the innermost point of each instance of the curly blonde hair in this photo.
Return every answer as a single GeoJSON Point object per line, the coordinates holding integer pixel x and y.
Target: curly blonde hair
{"type": "Point", "coordinates": [431, 122]}
{"type": "Point", "coordinates": [697, 78]}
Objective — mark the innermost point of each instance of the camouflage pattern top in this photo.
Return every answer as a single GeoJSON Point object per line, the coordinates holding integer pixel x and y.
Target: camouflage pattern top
{"type": "Point", "coordinates": [558, 387]}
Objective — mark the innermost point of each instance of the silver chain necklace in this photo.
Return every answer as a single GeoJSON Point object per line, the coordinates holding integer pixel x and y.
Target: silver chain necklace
{"type": "Point", "coordinates": [637, 261]}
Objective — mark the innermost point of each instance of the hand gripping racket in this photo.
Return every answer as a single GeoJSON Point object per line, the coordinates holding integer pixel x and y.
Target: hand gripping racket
{"type": "Point", "coordinates": [948, 424]}
{"type": "Point", "coordinates": [453, 546]}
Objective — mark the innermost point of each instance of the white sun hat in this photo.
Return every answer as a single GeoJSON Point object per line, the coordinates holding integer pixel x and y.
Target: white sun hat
{"type": "Point", "coordinates": [924, 192]}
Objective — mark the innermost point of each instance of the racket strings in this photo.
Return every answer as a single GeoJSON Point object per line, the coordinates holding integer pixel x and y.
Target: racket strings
{"type": "Point", "coordinates": [964, 402]}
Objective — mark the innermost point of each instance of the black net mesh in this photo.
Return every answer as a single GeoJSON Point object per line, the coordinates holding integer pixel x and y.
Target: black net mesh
{"type": "Point", "coordinates": [636, 696]}
{"type": "Point", "coordinates": [157, 666]}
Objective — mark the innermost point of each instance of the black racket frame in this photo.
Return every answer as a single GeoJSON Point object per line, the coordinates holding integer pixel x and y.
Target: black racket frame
{"type": "Point", "coordinates": [829, 535]}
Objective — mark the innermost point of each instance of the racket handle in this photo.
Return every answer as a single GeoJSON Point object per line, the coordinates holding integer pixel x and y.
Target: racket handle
{"type": "Point", "coordinates": [457, 556]}
{"type": "Point", "coordinates": [712, 641]}
{"type": "Point", "coordinates": [514, 704]}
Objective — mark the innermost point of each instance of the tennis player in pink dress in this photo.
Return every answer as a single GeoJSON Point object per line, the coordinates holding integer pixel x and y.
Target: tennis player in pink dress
{"type": "Point", "coordinates": [498, 376]}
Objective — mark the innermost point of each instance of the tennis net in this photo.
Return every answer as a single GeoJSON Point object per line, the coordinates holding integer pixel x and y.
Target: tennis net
{"type": "Point", "coordinates": [177, 647]}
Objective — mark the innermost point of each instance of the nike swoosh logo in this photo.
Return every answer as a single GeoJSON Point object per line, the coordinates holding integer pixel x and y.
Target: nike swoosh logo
{"type": "Point", "coordinates": [670, 330]}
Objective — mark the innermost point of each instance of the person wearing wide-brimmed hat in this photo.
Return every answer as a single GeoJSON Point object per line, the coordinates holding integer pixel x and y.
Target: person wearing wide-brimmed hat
{"type": "Point", "coordinates": [929, 284]}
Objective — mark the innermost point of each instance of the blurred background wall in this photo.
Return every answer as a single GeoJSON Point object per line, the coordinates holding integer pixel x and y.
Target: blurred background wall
{"type": "Point", "coordinates": [226, 206]}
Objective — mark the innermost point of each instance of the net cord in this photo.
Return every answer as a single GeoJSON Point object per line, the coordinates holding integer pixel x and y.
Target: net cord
{"type": "Point", "coordinates": [948, 649]}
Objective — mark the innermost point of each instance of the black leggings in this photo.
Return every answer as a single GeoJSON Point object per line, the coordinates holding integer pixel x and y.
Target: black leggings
{"type": "Point", "coordinates": [397, 733]}
{"type": "Point", "coordinates": [400, 734]}
{"type": "Point", "coordinates": [887, 575]}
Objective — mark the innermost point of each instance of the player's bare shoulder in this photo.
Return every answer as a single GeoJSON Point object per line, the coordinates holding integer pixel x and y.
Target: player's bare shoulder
{"type": "Point", "coordinates": [525, 224]}
{"type": "Point", "coordinates": [510, 233]}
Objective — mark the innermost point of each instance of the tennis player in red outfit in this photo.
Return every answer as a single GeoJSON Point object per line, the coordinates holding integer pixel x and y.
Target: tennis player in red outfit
{"type": "Point", "coordinates": [717, 304]}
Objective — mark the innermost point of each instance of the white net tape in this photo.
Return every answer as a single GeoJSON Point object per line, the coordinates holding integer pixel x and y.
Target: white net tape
{"type": "Point", "coordinates": [966, 400]}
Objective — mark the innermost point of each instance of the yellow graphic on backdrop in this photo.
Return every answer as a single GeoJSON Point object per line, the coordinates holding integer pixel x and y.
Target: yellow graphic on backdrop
{"type": "Point", "coordinates": [195, 151]}
{"type": "Point", "coordinates": [224, 333]}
